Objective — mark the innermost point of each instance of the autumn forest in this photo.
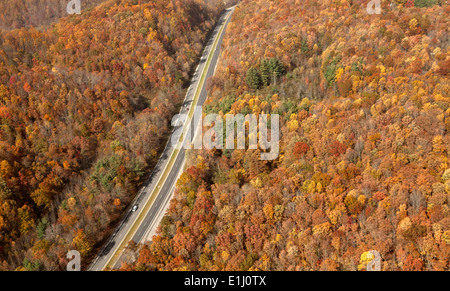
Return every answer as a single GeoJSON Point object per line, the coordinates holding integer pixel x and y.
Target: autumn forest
{"type": "Point", "coordinates": [364, 108]}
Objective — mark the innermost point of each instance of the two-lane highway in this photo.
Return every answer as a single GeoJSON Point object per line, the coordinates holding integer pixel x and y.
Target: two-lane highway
{"type": "Point", "coordinates": [154, 197]}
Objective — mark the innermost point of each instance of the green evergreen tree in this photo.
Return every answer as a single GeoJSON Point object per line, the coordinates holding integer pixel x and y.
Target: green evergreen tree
{"type": "Point", "coordinates": [424, 3]}
{"type": "Point", "coordinates": [253, 79]}
{"type": "Point", "coordinates": [265, 72]}
{"type": "Point", "coordinates": [276, 69]}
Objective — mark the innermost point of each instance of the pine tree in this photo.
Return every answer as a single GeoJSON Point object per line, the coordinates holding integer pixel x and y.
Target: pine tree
{"type": "Point", "coordinates": [276, 69]}
{"type": "Point", "coordinates": [265, 72]}
{"type": "Point", "coordinates": [253, 79]}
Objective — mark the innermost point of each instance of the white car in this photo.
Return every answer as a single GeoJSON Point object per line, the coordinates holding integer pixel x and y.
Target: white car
{"type": "Point", "coordinates": [135, 207]}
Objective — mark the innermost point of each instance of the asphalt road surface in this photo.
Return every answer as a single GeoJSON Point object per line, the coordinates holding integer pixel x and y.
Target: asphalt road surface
{"type": "Point", "coordinates": [154, 197]}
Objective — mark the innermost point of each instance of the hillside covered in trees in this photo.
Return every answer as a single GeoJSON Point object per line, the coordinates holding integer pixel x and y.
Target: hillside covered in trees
{"type": "Point", "coordinates": [85, 107]}
{"type": "Point", "coordinates": [365, 111]}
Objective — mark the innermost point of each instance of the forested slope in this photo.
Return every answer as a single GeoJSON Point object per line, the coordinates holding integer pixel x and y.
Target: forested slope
{"type": "Point", "coordinates": [85, 108]}
{"type": "Point", "coordinates": [365, 107]}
